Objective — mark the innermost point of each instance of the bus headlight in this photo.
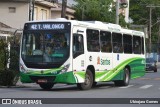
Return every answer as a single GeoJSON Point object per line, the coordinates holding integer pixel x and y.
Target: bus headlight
{"type": "Point", "coordinates": [65, 68]}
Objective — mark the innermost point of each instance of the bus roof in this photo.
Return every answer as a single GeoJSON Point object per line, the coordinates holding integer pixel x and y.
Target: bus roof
{"type": "Point", "coordinates": [96, 25]}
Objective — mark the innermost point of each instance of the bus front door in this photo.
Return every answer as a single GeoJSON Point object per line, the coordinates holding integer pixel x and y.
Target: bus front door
{"type": "Point", "coordinates": [78, 54]}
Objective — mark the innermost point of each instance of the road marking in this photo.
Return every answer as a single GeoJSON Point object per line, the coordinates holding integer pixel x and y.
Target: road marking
{"type": "Point", "coordinates": [157, 79]}
{"type": "Point", "coordinates": [126, 86]}
{"type": "Point", "coordinates": [144, 78]}
{"type": "Point", "coordinates": [146, 86]}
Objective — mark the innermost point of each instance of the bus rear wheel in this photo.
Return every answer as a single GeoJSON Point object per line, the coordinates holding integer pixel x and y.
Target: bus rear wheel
{"type": "Point", "coordinates": [88, 81]}
{"type": "Point", "coordinates": [126, 79]}
{"type": "Point", "coordinates": [46, 86]}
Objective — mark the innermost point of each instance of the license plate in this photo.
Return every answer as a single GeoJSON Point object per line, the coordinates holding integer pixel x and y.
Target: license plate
{"type": "Point", "coordinates": [42, 81]}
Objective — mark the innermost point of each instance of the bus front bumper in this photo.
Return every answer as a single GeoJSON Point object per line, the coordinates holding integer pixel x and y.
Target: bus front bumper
{"type": "Point", "coordinates": [67, 77]}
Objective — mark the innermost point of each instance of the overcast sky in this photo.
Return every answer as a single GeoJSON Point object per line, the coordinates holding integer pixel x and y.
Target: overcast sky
{"type": "Point", "coordinates": [69, 2]}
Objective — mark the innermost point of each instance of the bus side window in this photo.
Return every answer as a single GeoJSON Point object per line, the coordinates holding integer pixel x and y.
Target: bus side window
{"type": "Point", "coordinates": [78, 46]}
{"type": "Point", "coordinates": [127, 43]}
{"type": "Point", "coordinates": [136, 44]}
{"type": "Point", "coordinates": [117, 42]}
{"type": "Point", "coordinates": [142, 39]}
{"type": "Point", "coordinates": [105, 39]}
{"type": "Point", "coordinates": [93, 44]}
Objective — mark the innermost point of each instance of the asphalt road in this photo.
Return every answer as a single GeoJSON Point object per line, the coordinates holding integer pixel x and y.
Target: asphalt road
{"type": "Point", "coordinates": [144, 87]}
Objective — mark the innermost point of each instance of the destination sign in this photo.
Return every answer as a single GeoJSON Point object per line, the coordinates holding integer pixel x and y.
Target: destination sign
{"type": "Point", "coordinates": [47, 26]}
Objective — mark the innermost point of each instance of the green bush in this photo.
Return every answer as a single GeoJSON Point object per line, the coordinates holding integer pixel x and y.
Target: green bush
{"type": "Point", "coordinates": [8, 76]}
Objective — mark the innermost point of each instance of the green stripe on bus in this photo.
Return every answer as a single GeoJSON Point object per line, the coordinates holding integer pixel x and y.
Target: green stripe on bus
{"type": "Point", "coordinates": [109, 75]}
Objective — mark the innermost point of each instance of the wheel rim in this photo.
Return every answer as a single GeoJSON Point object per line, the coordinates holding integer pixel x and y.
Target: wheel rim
{"type": "Point", "coordinates": [87, 80]}
{"type": "Point", "coordinates": [126, 76]}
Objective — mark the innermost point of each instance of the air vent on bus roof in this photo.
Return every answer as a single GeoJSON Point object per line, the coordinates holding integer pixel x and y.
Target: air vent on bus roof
{"type": "Point", "coordinates": [114, 25]}
{"type": "Point", "coordinates": [95, 22]}
{"type": "Point", "coordinates": [61, 19]}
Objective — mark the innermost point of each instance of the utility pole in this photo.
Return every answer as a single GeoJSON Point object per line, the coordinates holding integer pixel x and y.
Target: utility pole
{"type": "Point", "coordinates": [64, 5]}
{"type": "Point", "coordinates": [117, 11]}
{"type": "Point", "coordinates": [150, 26]}
{"type": "Point", "coordinates": [33, 3]}
{"type": "Point", "coordinates": [31, 9]}
{"type": "Point", "coordinates": [158, 49]}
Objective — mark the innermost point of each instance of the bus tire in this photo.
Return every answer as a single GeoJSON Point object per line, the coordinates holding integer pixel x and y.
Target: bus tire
{"type": "Point", "coordinates": [88, 81]}
{"type": "Point", "coordinates": [155, 70]}
{"type": "Point", "coordinates": [46, 86]}
{"type": "Point", "coordinates": [94, 84]}
{"type": "Point", "coordinates": [126, 79]}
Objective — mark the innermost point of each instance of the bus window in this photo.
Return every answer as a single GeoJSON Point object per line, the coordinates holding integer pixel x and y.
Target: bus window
{"type": "Point", "coordinates": [105, 39]}
{"type": "Point", "coordinates": [136, 44]}
{"type": "Point", "coordinates": [127, 43]}
{"type": "Point", "coordinates": [117, 42]}
{"type": "Point", "coordinates": [93, 40]}
{"type": "Point", "coordinates": [142, 45]}
{"type": "Point", "coordinates": [78, 47]}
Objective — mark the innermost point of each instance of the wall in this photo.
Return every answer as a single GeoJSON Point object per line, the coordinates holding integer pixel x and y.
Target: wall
{"type": "Point", "coordinates": [17, 19]}
{"type": "Point", "coordinates": [38, 12]}
{"type": "Point", "coordinates": [56, 14]}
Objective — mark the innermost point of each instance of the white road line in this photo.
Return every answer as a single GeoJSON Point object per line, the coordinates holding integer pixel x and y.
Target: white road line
{"type": "Point", "coordinates": [146, 86]}
{"type": "Point", "coordinates": [126, 86]}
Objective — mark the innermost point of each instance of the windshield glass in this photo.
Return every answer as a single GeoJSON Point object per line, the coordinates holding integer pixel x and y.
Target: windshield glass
{"type": "Point", "coordinates": [45, 48]}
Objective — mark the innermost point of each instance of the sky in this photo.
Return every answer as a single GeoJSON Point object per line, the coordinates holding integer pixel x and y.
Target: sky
{"type": "Point", "coordinates": [69, 2]}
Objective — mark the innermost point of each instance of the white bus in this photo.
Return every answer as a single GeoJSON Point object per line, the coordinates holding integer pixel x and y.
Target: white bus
{"type": "Point", "coordinates": [79, 52]}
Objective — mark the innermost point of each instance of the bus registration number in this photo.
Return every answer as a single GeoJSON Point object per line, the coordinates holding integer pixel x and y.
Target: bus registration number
{"type": "Point", "coordinates": [42, 81]}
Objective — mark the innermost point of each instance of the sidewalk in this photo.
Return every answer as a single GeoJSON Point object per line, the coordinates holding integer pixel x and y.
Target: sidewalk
{"type": "Point", "coordinates": [20, 84]}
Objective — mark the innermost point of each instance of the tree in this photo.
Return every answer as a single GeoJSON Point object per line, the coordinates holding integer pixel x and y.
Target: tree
{"type": "Point", "coordinates": [100, 10]}
{"type": "Point", "coordinates": [139, 13]}
{"type": "Point", "coordinates": [9, 75]}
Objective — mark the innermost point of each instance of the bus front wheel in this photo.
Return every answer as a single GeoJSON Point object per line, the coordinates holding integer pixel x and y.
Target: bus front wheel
{"type": "Point", "coordinates": [126, 79]}
{"type": "Point", "coordinates": [46, 86]}
{"type": "Point", "coordinates": [88, 81]}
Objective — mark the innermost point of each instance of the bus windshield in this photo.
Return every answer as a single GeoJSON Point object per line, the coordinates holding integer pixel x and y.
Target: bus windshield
{"type": "Point", "coordinates": [46, 48]}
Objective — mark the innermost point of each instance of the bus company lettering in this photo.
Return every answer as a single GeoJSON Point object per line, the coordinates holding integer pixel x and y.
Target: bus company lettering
{"type": "Point", "coordinates": [105, 62]}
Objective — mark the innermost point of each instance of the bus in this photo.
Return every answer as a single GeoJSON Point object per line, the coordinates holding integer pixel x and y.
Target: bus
{"type": "Point", "coordinates": [81, 53]}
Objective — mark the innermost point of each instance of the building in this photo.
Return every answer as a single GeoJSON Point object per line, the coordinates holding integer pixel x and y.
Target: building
{"type": "Point", "coordinates": [56, 12]}
{"type": "Point", "coordinates": [42, 10]}
{"type": "Point", "coordinates": [15, 13]}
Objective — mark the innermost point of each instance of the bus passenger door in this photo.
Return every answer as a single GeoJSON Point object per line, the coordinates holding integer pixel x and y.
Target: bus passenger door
{"type": "Point", "coordinates": [78, 54]}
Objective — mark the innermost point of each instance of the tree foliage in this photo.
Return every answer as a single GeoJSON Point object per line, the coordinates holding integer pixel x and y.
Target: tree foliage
{"type": "Point", "coordinates": [9, 75]}
{"type": "Point", "coordinates": [100, 10]}
{"type": "Point", "coordinates": [139, 13]}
